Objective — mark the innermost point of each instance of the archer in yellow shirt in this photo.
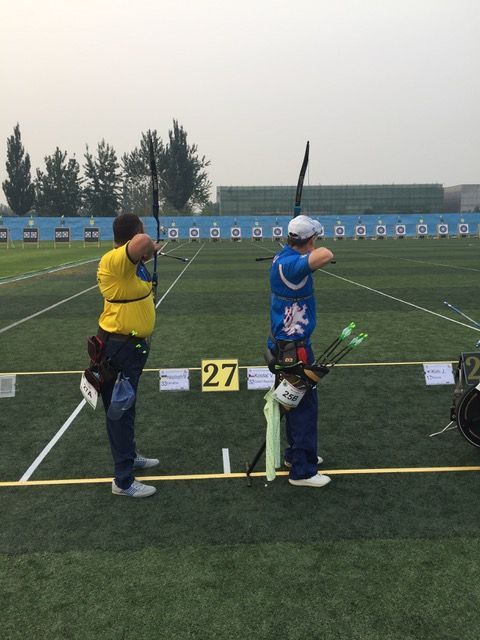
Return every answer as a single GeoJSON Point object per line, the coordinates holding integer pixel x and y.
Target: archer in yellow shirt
{"type": "Point", "coordinates": [125, 324]}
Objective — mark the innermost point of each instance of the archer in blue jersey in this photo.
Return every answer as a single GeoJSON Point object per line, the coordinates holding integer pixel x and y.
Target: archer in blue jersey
{"type": "Point", "coordinates": [293, 320]}
{"type": "Point", "coordinates": [292, 310]}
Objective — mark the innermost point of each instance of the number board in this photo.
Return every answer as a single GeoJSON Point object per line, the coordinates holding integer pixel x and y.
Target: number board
{"type": "Point", "coordinates": [220, 375]}
{"type": "Point", "coordinates": [471, 368]}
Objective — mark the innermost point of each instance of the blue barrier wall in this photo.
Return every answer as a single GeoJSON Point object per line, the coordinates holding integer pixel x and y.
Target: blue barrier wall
{"type": "Point", "coordinates": [183, 223]}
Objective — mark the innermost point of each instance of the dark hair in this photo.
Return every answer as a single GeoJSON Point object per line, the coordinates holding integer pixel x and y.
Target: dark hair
{"type": "Point", "coordinates": [125, 227]}
{"type": "Point", "coordinates": [297, 242]}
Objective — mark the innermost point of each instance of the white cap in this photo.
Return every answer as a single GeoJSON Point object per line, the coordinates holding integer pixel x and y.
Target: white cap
{"type": "Point", "coordinates": [303, 227]}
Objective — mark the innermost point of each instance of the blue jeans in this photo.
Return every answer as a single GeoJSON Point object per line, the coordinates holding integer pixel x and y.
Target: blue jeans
{"type": "Point", "coordinates": [129, 358]}
{"type": "Point", "coordinates": [301, 424]}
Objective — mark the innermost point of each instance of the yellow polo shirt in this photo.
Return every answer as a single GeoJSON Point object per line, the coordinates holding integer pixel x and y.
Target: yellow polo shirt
{"type": "Point", "coordinates": [120, 279]}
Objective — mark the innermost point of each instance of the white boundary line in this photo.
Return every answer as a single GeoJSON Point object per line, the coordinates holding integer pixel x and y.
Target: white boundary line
{"type": "Point", "coordinates": [52, 442]}
{"type": "Point", "coordinates": [433, 264]}
{"type": "Point", "coordinates": [410, 304]}
{"type": "Point", "coordinates": [75, 413]}
{"type": "Point", "coordinates": [226, 461]}
{"type": "Point", "coordinates": [38, 313]}
{"type": "Point", "coordinates": [34, 315]}
{"type": "Point", "coordinates": [178, 277]}
{"type": "Point", "coordinates": [47, 270]}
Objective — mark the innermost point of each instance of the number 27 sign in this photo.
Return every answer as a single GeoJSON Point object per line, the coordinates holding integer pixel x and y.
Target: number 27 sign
{"type": "Point", "coordinates": [220, 375]}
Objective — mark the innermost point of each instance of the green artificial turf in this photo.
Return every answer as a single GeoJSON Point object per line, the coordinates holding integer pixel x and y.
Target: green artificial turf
{"type": "Point", "coordinates": [370, 556]}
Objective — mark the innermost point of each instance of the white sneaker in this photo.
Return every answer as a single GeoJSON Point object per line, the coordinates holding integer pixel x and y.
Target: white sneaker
{"type": "Point", "coordinates": [315, 481]}
{"type": "Point", "coordinates": [144, 463]}
{"type": "Point", "coordinates": [289, 464]}
{"type": "Point", "coordinates": [135, 490]}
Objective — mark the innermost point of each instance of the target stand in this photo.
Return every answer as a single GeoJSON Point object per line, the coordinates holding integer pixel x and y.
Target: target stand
{"type": "Point", "coordinates": [5, 238]}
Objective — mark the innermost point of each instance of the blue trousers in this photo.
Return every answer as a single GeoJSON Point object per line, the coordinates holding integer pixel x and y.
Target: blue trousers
{"type": "Point", "coordinates": [301, 424]}
{"type": "Point", "coordinates": [129, 358]}
{"type": "Point", "coordinates": [302, 437]}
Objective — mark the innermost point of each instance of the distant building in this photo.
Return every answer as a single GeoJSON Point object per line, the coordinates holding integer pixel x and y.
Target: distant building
{"type": "Point", "coordinates": [461, 198]}
{"type": "Point", "coordinates": [325, 199]}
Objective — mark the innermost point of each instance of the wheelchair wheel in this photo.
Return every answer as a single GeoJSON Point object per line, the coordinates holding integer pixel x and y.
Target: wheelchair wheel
{"type": "Point", "coordinates": [468, 416]}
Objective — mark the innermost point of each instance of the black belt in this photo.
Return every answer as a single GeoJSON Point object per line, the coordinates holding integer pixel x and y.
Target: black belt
{"type": "Point", "coordinates": [298, 343]}
{"type": "Point", "coordinates": [118, 337]}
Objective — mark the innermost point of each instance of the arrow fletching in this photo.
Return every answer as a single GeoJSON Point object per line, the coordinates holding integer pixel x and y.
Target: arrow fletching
{"type": "Point", "coordinates": [358, 340]}
{"type": "Point", "coordinates": [347, 331]}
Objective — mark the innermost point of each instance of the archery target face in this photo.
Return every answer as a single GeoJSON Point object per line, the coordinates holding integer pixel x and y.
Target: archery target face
{"type": "Point", "coordinates": [442, 229]}
{"type": "Point", "coordinates": [463, 228]}
{"type": "Point", "coordinates": [277, 232]}
{"type": "Point", "coordinates": [235, 232]}
{"type": "Point", "coordinates": [257, 232]}
{"type": "Point", "coordinates": [360, 230]}
{"type": "Point", "coordinates": [422, 229]}
{"type": "Point", "coordinates": [214, 232]}
{"type": "Point", "coordinates": [400, 229]}
{"type": "Point", "coordinates": [194, 233]}
{"type": "Point", "coordinates": [340, 230]}
{"type": "Point", "coordinates": [173, 233]}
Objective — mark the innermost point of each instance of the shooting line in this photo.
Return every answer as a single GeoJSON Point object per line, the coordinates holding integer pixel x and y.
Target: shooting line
{"type": "Point", "coordinates": [241, 476]}
{"type": "Point", "coordinates": [254, 366]}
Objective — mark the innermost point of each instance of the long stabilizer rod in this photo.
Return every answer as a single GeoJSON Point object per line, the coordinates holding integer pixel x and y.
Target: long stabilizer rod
{"type": "Point", "coordinates": [166, 255]}
{"type": "Point", "coordinates": [450, 306]}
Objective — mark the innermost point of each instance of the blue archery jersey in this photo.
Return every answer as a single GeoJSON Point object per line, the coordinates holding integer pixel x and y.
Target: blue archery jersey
{"type": "Point", "coordinates": [292, 311]}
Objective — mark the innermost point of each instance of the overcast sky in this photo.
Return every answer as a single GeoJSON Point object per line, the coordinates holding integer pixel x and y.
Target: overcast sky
{"type": "Point", "coordinates": [385, 91]}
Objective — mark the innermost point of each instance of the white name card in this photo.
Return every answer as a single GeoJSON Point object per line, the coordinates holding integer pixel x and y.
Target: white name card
{"type": "Point", "coordinates": [174, 380]}
{"type": "Point", "coordinates": [438, 373]}
{"type": "Point", "coordinates": [259, 378]}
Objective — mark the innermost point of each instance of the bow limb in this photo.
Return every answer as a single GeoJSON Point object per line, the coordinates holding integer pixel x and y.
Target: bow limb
{"type": "Point", "coordinates": [155, 211]}
{"type": "Point", "coordinates": [297, 209]}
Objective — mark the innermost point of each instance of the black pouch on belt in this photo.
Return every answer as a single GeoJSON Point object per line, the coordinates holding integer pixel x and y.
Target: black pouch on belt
{"type": "Point", "coordinates": [286, 353]}
{"type": "Point", "coordinates": [100, 370]}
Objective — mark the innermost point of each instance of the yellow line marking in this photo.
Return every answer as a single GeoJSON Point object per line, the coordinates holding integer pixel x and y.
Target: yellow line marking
{"type": "Point", "coordinates": [253, 366]}
{"type": "Point", "coordinates": [229, 476]}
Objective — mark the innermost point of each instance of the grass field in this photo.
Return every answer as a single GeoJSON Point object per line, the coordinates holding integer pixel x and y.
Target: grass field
{"type": "Point", "coordinates": [389, 550]}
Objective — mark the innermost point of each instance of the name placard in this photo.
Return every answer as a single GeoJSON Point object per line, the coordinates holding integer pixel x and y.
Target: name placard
{"type": "Point", "coordinates": [259, 378]}
{"type": "Point", "coordinates": [438, 373]}
{"type": "Point", "coordinates": [174, 380]}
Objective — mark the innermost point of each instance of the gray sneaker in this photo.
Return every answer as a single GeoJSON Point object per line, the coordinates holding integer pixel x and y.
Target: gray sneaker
{"type": "Point", "coordinates": [135, 490]}
{"type": "Point", "coordinates": [141, 462]}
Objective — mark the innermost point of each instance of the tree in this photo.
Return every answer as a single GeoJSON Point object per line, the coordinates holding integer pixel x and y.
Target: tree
{"type": "Point", "coordinates": [182, 173]}
{"type": "Point", "coordinates": [18, 188]}
{"type": "Point", "coordinates": [58, 191]}
{"type": "Point", "coordinates": [210, 209]}
{"type": "Point", "coordinates": [137, 186]}
{"type": "Point", "coordinates": [103, 181]}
